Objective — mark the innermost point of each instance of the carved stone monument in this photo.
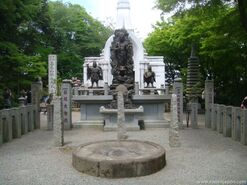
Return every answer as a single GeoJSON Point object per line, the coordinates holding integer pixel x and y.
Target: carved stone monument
{"type": "Point", "coordinates": [52, 60]}
{"type": "Point", "coordinates": [121, 59]}
{"type": "Point", "coordinates": [174, 127]}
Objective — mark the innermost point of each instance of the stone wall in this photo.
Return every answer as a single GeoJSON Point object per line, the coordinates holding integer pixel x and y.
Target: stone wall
{"type": "Point", "coordinates": [228, 120]}
{"type": "Point", "coordinates": [16, 122]}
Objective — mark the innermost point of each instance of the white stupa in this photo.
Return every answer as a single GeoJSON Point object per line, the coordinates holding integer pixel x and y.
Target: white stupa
{"type": "Point", "coordinates": [141, 60]}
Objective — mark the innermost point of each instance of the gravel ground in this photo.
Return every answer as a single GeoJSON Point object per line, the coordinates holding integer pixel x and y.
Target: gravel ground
{"type": "Point", "coordinates": [205, 157]}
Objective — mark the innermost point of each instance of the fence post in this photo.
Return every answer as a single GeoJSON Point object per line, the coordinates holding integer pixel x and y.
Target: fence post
{"type": "Point", "coordinates": [1, 128]}
{"type": "Point", "coordinates": [214, 117]}
{"type": "Point", "coordinates": [236, 123]}
{"type": "Point", "coordinates": [50, 116]}
{"type": "Point", "coordinates": [194, 115]}
{"type": "Point", "coordinates": [243, 136]}
{"type": "Point", "coordinates": [227, 126]}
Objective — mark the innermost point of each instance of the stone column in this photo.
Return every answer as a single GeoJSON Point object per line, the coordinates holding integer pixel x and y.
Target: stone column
{"type": "Point", "coordinates": [220, 118]}
{"type": "Point", "coordinates": [7, 126]}
{"type": "Point", "coordinates": [52, 72]}
{"type": "Point", "coordinates": [1, 128]}
{"type": "Point", "coordinates": [58, 131]}
{"type": "Point", "coordinates": [178, 90]}
{"type": "Point", "coordinates": [105, 88]}
{"type": "Point", "coordinates": [36, 88]}
{"type": "Point", "coordinates": [213, 116]}
{"type": "Point", "coordinates": [121, 118]}
{"type": "Point", "coordinates": [209, 99]}
{"type": "Point", "coordinates": [136, 88]}
{"type": "Point", "coordinates": [67, 104]}
{"type": "Point", "coordinates": [236, 123]}
{"type": "Point", "coordinates": [17, 125]}
{"type": "Point", "coordinates": [21, 101]}
{"type": "Point", "coordinates": [227, 123]}
{"type": "Point", "coordinates": [194, 115]}
{"type": "Point", "coordinates": [174, 125]}
{"type": "Point", "coordinates": [50, 116]}
{"type": "Point", "coordinates": [243, 135]}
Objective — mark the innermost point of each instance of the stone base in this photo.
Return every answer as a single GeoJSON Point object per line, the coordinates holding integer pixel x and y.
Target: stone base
{"type": "Point", "coordinates": [113, 159]}
{"type": "Point", "coordinates": [156, 124]}
{"type": "Point", "coordinates": [128, 127]}
{"type": "Point", "coordinates": [94, 124]}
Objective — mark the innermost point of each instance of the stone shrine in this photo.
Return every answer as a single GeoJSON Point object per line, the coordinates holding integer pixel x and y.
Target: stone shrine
{"type": "Point", "coordinates": [140, 59]}
{"type": "Point", "coordinates": [123, 64]}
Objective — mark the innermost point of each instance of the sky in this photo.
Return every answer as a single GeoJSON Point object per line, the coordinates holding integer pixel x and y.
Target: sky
{"type": "Point", "coordinates": [143, 15]}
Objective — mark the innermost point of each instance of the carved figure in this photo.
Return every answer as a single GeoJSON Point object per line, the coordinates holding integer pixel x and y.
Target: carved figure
{"type": "Point", "coordinates": [95, 73]}
{"type": "Point", "coordinates": [121, 58]}
{"type": "Point", "coordinates": [149, 77]}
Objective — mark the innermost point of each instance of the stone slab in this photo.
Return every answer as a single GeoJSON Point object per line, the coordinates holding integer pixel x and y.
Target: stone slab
{"type": "Point", "coordinates": [113, 159]}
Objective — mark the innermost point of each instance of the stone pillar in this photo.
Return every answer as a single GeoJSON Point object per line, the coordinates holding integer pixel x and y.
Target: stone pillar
{"type": "Point", "coordinates": [136, 88]}
{"type": "Point", "coordinates": [67, 104]}
{"type": "Point", "coordinates": [219, 118]}
{"type": "Point", "coordinates": [236, 123]}
{"type": "Point", "coordinates": [194, 115]}
{"type": "Point", "coordinates": [36, 93]}
{"type": "Point", "coordinates": [121, 135]}
{"type": "Point", "coordinates": [7, 126]}
{"type": "Point", "coordinates": [174, 125]}
{"type": "Point", "coordinates": [17, 124]}
{"type": "Point", "coordinates": [31, 121]}
{"type": "Point", "coordinates": [50, 116]}
{"type": "Point", "coordinates": [21, 101]}
{"type": "Point", "coordinates": [105, 88]}
{"type": "Point", "coordinates": [52, 72]}
{"type": "Point", "coordinates": [209, 99]}
{"type": "Point", "coordinates": [214, 116]}
{"type": "Point", "coordinates": [178, 90]}
{"type": "Point", "coordinates": [167, 90]}
{"type": "Point", "coordinates": [58, 131]}
{"type": "Point", "coordinates": [243, 135]}
{"type": "Point", "coordinates": [227, 123]}
{"type": "Point", "coordinates": [1, 128]}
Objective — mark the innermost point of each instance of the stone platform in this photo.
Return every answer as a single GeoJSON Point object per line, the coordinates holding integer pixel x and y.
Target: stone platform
{"type": "Point", "coordinates": [114, 159]}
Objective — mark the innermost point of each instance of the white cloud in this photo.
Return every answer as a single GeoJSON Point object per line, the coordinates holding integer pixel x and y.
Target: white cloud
{"type": "Point", "coordinates": [142, 13]}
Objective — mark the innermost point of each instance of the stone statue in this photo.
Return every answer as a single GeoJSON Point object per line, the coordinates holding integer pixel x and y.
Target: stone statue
{"type": "Point", "coordinates": [95, 73]}
{"type": "Point", "coordinates": [149, 77]}
{"type": "Point", "coordinates": [121, 58]}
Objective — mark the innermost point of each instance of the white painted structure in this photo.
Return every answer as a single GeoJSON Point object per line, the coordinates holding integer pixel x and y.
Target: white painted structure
{"type": "Point", "coordinates": [141, 60]}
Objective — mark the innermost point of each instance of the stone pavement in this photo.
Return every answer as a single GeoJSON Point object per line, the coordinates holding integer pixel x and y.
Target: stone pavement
{"type": "Point", "coordinates": [205, 157]}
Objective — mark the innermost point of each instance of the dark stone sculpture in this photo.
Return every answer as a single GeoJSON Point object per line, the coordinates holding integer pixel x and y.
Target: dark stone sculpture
{"type": "Point", "coordinates": [121, 59]}
{"type": "Point", "coordinates": [95, 73]}
{"type": "Point", "coordinates": [122, 67]}
{"type": "Point", "coordinates": [149, 77]}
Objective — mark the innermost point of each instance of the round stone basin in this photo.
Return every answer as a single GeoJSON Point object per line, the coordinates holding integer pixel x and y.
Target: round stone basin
{"type": "Point", "coordinates": [114, 159]}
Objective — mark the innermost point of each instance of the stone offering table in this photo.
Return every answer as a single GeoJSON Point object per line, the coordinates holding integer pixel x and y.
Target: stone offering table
{"type": "Point", "coordinates": [131, 115]}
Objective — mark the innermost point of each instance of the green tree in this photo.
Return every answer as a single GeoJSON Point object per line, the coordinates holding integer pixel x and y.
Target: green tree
{"type": "Point", "coordinates": [221, 43]}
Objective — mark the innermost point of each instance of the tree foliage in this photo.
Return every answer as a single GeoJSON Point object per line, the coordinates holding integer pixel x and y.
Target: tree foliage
{"type": "Point", "coordinates": [221, 44]}
{"type": "Point", "coordinates": [32, 29]}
